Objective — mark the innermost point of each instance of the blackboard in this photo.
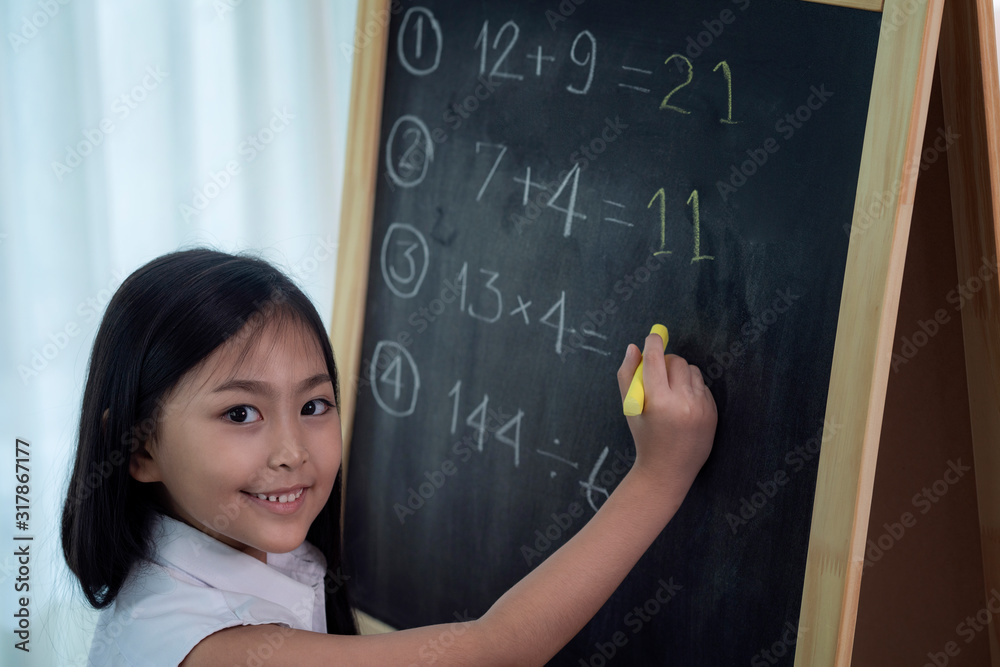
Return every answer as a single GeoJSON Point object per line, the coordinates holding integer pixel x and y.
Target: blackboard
{"type": "Point", "coordinates": [537, 163]}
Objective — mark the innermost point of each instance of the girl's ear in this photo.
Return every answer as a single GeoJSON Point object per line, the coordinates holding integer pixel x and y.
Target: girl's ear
{"type": "Point", "coordinates": [142, 466]}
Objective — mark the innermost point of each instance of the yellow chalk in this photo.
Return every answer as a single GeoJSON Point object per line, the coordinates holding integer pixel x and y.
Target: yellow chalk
{"type": "Point", "coordinates": [636, 395]}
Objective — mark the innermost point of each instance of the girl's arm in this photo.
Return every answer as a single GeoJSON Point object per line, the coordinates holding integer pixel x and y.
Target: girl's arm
{"type": "Point", "coordinates": [541, 613]}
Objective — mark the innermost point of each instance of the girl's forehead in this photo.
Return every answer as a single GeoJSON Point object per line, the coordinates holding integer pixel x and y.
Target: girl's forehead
{"type": "Point", "coordinates": [251, 352]}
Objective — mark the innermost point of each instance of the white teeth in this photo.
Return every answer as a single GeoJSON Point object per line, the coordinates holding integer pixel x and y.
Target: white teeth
{"type": "Point", "coordinates": [284, 498]}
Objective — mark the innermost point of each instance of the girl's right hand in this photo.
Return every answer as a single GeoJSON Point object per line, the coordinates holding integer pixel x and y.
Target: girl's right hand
{"type": "Point", "coordinates": [674, 433]}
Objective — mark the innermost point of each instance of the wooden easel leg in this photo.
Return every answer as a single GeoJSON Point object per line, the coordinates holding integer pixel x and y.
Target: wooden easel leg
{"type": "Point", "coordinates": [968, 60]}
{"type": "Point", "coordinates": [924, 522]}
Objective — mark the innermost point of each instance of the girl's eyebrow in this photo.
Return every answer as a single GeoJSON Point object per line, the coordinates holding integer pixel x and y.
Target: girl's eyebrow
{"type": "Point", "coordinates": [265, 389]}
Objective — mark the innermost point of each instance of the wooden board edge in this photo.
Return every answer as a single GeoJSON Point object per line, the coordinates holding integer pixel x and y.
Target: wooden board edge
{"type": "Point", "coordinates": [972, 110]}
{"type": "Point", "coordinates": [870, 5]}
{"type": "Point", "coordinates": [897, 114]}
{"type": "Point", "coordinates": [358, 202]}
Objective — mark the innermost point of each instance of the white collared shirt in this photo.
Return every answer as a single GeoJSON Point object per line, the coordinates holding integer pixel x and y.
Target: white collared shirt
{"type": "Point", "coordinates": [197, 586]}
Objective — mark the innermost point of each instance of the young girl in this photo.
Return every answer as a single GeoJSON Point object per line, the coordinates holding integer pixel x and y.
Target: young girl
{"type": "Point", "coordinates": [203, 511]}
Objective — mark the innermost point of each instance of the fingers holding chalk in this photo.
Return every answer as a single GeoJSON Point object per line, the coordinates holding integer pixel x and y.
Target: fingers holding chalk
{"type": "Point", "coordinates": [654, 373]}
{"type": "Point", "coordinates": [679, 373]}
{"type": "Point", "coordinates": [636, 395]}
{"type": "Point", "coordinates": [633, 355]}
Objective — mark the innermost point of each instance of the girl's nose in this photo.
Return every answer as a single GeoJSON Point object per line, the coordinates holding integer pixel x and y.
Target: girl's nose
{"type": "Point", "coordinates": [289, 450]}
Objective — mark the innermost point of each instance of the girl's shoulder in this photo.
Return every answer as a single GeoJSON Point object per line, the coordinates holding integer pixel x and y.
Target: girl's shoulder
{"type": "Point", "coordinates": [194, 586]}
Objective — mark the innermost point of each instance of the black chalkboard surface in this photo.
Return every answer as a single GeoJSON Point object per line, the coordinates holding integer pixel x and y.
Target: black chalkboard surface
{"type": "Point", "coordinates": [554, 179]}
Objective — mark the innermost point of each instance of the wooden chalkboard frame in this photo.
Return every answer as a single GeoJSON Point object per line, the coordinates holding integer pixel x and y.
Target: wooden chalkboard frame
{"type": "Point", "coordinates": [871, 5]}
{"type": "Point", "coordinates": [897, 114]}
{"type": "Point", "coordinates": [859, 375]}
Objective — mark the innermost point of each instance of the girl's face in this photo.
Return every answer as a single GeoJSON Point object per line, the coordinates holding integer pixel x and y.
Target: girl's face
{"type": "Point", "coordinates": [231, 432]}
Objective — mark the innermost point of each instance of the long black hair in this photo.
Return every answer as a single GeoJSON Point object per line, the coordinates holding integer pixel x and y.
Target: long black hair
{"type": "Point", "coordinates": [165, 318]}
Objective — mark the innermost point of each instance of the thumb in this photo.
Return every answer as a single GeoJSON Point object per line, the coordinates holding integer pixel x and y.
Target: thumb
{"type": "Point", "coordinates": [628, 368]}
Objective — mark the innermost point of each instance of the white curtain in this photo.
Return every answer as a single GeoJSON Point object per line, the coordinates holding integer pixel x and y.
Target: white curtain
{"type": "Point", "coordinates": [129, 129]}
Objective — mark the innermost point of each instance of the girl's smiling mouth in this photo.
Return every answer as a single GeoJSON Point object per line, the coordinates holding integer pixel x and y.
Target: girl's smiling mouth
{"type": "Point", "coordinates": [281, 501]}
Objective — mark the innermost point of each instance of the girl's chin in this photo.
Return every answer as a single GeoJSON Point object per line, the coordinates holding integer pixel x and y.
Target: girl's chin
{"type": "Point", "coordinates": [287, 539]}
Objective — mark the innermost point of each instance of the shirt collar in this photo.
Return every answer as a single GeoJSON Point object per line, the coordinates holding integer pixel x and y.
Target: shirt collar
{"type": "Point", "coordinates": [220, 566]}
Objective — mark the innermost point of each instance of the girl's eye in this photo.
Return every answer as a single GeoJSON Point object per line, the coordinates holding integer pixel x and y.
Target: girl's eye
{"type": "Point", "coordinates": [317, 406]}
{"type": "Point", "coordinates": [243, 414]}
